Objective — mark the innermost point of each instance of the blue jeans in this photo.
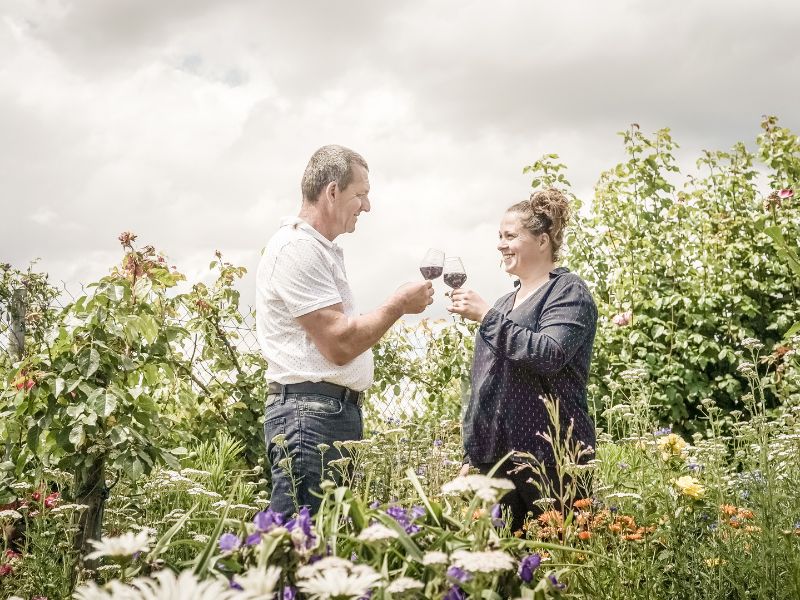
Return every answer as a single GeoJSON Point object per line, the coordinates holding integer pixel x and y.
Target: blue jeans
{"type": "Point", "coordinates": [306, 420]}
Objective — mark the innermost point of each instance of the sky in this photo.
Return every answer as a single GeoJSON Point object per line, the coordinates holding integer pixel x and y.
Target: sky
{"type": "Point", "coordinates": [190, 122]}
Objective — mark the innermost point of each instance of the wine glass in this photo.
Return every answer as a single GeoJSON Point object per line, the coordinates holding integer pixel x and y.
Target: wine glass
{"type": "Point", "coordinates": [454, 273]}
{"type": "Point", "coordinates": [432, 264]}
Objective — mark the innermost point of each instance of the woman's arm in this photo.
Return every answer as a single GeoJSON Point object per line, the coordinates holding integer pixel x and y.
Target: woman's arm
{"type": "Point", "coordinates": [568, 317]}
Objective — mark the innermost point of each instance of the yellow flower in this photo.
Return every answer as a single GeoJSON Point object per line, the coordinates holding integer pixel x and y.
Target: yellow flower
{"type": "Point", "coordinates": [715, 562]}
{"type": "Point", "coordinates": [689, 486]}
{"type": "Point", "coordinates": [671, 445]}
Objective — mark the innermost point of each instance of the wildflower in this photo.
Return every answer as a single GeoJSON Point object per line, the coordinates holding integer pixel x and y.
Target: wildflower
{"type": "Point", "coordinates": [583, 503]}
{"type": "Point", "coordinates": [689, 486]}
{"type": "Point", "coordinates": [9, 515]}
{"type": "Point", "coordinates": [485, 488]}
{"type": "Point", "coordinates": [785, 193]}
{"type": "Point", "coordinates": [437, 443]}
{"type": "Point", "coordinates": [458, 574]}
{"type": "Point", "coordinates": [553, 518]}
{"type": "Point", "coordinates": [434, 558]}
{"type": "Point", "coordinates": [584, 535]}
{"type": "Point", "coordinates": [229, 542]}
{"type": "Point", "coordinates": [623, 319]}
{"type": "Point", "coordinates": [258, 583]}
{"type": "Point", "coordinates": [752, 343]}
{"type": "Point", "coordinates": [165, 585]}
{"type": "Point", "coordinates": [555, 583]}
{"type": "Point", "coordinates": [671, 445]}
{"type": "Point", "coordinates": [488, 561]}
{"type": "Point", "coordinates": [747, 369]}
{"type": "Point", "coordinates": [377, 533]}
{"type": "Point", "coordinates": [289, 593]}
{"type": "Point", "coordinates": [528, 565]}
{"type": "Point", "coordinates": [497, 516]}
{"type": "Point", "coordinates": [333, 577]}
{"type": "Point", "coordinates": [405, 518]}
{"type": "Point", "coordinates": [662, 431]}
{"type": "Point", "coordinates": [455, 593]}
{"type": "Point", "coordinates": [632, 375]}
{"type": "Point", "coordinates": [728, 509]}
{"type": "Point", "coordinates": [404, 584]}
{"type": "Point", "coordinates": [300, 528]}
{"type": "Point", "coordinates": [125, 545]}
{"type": "Point", "coordinates": [715, 562]}
{"type": "Point", "coordinates": [267, 520]}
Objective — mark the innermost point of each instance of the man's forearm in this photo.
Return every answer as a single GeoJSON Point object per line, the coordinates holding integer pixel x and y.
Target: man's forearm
{"type": "Point", "coordinates": [364, 331]}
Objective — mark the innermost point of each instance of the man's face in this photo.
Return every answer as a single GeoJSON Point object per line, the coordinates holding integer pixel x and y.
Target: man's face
{"type": "Point", "coordinates": [353, 200]}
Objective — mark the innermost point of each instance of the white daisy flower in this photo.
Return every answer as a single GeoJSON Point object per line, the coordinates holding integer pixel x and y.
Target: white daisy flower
{"type": "Point", "coordinates": [165, 586]}
{"type": "Point", "coordinates": [333, 577]}
{"type": "Point", "coordinates": [483, 562]}
{"type": "Point", "coordinates": [126, 545]}
{"type": "Point", "coordinates": [377, 533]}
{"type": "Point", "coordinates": [258, 583]}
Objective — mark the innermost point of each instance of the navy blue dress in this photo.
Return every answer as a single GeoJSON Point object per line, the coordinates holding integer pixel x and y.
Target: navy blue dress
{"type": "Point", "coordinates": [541, 348]}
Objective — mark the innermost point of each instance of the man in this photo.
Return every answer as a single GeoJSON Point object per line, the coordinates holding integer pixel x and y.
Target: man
{"type": "Point", "coordinates": [317, 345]}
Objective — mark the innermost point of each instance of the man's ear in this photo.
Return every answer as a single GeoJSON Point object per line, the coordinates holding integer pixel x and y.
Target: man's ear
{"type": "Point", "coordinates": [331, 191]}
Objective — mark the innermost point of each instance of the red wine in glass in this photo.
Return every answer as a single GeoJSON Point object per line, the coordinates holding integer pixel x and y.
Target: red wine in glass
{"type": "Point", "coordinates": [455, 275]}
{"type": "Point", "coordinates": [432, 264]}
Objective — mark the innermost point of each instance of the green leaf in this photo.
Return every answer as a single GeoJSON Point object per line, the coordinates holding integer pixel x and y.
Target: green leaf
{"type": "Point", "coordinates": [105, 404]}
{"type": "Point", "coordinates": [89, 363]}
{"type": "Point", "coordinates": [77, 436]}
{"type": "Point", "coordinates": [142, 288]}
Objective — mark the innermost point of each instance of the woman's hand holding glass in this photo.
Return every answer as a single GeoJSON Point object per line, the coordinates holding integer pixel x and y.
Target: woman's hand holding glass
{"type": "Point", "coordinates": [468, 304]}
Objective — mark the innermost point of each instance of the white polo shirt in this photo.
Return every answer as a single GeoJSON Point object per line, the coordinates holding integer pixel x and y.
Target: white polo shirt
{"type": "Point", "coordinates": [302, 271]}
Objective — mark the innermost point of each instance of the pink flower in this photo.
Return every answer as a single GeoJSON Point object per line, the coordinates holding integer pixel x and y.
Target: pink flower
{"type": "Point", "coordinates": [52, 500]}
{"type": "Point", "coordinates": [623, 319]}
{"type": "Point", "coordinates": [785, 193]}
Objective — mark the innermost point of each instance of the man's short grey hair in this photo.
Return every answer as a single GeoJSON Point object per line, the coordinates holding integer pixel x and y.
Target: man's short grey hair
{"type": "Point", "coordinates": [329, 163]}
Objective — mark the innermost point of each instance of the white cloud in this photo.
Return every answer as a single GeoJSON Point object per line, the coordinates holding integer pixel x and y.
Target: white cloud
{"type": "Point", "coordinates": [190, 122]}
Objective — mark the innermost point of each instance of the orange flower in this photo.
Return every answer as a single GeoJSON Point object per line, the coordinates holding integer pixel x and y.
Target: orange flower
{"type": "Point", "coordinates": [632, 537]}
{"type": "Point", "coordinates": [728, 509]}
{"type": "Point", "coordinates": [552, 518]}
{"type": "Point", "coordinates": [583, 503]}
{"type": "Point", "coordinates": [745, 513]}
{"type": "Point", "coordinates": [479, 512]}
{"type": "Point", "coordinates": [752, 529]}
{"type": "Point", "coordinates": [615, 528]}
{"type": "Point", "coordinates": [584, 535]}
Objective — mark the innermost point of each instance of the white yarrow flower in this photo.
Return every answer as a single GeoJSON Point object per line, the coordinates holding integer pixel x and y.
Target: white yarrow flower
{"type": "Point", "coordinates": [485, 488]}
{"type": "Point", "coordinates": [435, 558]}
{"type": "Point", "coordinates": [377, 533]}
{"type": "Point", "coordinates": [9, 515]}
{"type": "Point", "coordinates": [404, 584]}
{"type": "Point", "coordinates": [127, 544]}
{"type": "Point", "coordinates": [483, 562]}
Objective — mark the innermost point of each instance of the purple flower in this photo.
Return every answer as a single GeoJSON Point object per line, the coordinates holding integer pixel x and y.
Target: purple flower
{"type": "Point", "coordinates": [663, 431]}
{"type": "Point", "coordinates": [623, 466]}
{"type": "Point", "coordinates": [375, 504]}
{"type": "Point", "coordinates": [300, 529]}
{"type": "Point", "coordinates": [437, 443]}
{"type": "Point", "coordinates": [694, 466]}
{"type": "Point", "coordinates": [229, 542]}
{"type": "Point", "coordinates": [267, 520]}
{"type": "Point", "coordinates": [528, 565]}
{"type": "Point", "coordinates": [455, 593]}
{"type": "Point", "coordinates": [405, 518]}
{"type": "Point", "coordinates": [289, 593]}
{"type": "Point", "coordinates": [253, 539]}
{"type": "Point", "coordinates": [235, 586]}
{"type": "Point", "coordinates": [555, 583]}
{"type": "Point", "coordinates": [497, 516]}
{"type": "Point", "coordinates": [458, 574]}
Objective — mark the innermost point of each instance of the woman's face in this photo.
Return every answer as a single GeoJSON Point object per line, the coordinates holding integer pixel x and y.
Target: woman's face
{"type": "Point", "coordinates": [520, 249]}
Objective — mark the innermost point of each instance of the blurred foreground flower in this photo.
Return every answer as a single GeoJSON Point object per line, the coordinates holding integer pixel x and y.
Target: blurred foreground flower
{"type": "Point", "coordinates": [485, 488]}
{"type": "Point", "coordinates": [165, 586]}
{"type": "Point", "coordinates": [333, 577]}
{"type": "Point", "coordinates": [125, 545]}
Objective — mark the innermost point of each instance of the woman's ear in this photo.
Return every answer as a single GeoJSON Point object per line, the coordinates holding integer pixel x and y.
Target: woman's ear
{"type": "Point", "coordinates": [544, 241]}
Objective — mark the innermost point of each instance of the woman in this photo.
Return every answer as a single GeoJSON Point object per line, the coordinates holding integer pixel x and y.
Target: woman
{"type": "Point", "coordinates": [534, 344]}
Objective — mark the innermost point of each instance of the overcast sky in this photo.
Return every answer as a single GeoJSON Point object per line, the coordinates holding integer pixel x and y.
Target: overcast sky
{"type": "Point", "coordinates": [190, 122]}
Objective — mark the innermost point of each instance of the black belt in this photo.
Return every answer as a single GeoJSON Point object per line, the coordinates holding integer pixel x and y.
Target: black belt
{"type": "Point", "coordinates": [322, 387]}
